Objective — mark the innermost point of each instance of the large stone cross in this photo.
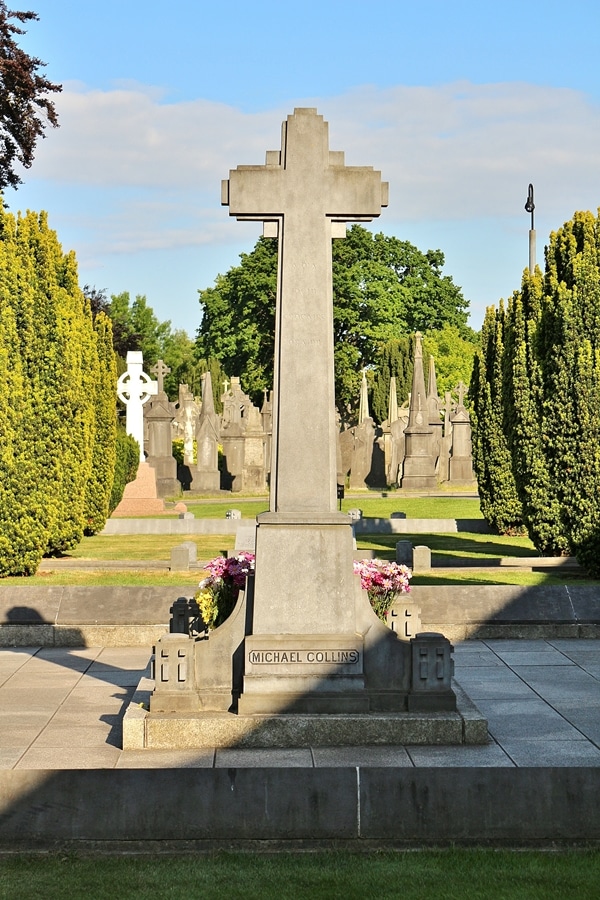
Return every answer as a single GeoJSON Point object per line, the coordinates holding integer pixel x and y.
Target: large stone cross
{"type": "Point", "coordinates": [304, 194]}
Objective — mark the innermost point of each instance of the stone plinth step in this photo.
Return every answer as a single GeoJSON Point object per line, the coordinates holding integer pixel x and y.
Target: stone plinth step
{"type": "Point", "coordinates": [184, 731]}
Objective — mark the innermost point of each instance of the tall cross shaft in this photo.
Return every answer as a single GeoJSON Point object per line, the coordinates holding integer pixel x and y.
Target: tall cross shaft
{"type": "Point", "coordinates": [302, 194]}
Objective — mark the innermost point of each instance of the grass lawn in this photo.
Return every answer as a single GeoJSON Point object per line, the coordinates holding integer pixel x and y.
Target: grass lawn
{"type": "Point", "coordinates": [445, 547]}
{"type": "Point", "coordinates": [149, 546]}
{"type": "Point", "coordinates": [372, 507]}
{"type": "Point", "coordinates": [457, 544]}
{"type": "Point", "coordinates": [451, 875]}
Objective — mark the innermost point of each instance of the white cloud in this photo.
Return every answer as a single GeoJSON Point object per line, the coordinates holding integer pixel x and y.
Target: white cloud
{"type": "Point", "coordinates": [449, 152]}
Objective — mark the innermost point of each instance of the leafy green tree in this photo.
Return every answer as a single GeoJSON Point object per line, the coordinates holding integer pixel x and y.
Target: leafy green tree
{"type": "Point", "coordinates": [68, 366]}
{"type": "Point", "coordinates": [25, 108]}
{"type": "Point", "coordinates": [550, 362]}
{"type": "Point", "coordinates": [453, 353]}
{"type": "Point", "coordinates": [382, 288]}
{"type": "Point", "coordinates": [238, 320]}
{"type": "Point", "coordinates": [136, 327]}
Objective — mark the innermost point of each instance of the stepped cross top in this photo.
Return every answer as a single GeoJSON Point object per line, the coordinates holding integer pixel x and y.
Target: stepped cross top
{"type": "Point", "coordinates": [304, 195]}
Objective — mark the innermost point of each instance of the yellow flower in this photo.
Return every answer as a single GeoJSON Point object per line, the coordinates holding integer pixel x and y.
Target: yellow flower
{"type": "Point", "coordinates": [206, 603]}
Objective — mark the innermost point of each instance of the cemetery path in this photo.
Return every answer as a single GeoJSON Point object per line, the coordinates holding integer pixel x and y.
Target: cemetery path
{"type": "Point", "coordinates": [61, 708]}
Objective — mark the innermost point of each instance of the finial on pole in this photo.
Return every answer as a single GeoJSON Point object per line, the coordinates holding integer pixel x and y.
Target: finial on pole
{"type": "Point", "coordinates": [529, 207]}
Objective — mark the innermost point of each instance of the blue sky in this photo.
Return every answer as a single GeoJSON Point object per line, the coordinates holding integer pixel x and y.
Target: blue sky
{"type": "Point", "coordinates": [459, 104]}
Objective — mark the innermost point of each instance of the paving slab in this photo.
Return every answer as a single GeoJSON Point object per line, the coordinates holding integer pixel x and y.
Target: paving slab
{"type": "Point", "coordinates": [102, 756]}
{"type": "Point", "coordinates": [575, 645]}
{"type": "Point", "coordinates": [488, 756]}
{"type": "Point", "coordinates": [166, 759]}
{"type": "Point", "coordinates": [484, 657]}
{"type": "Point", "coordinates": [361, 756]}
{"type": "Point", "coordinates": [552, 753]}
{"type": "Point", "coordinates": [80, 736]}
{"type": "Point", "coordinates": [546, 657]}
{"type": "Point", "coordinates": [565, 682]}
{"type": "Point", "coordinates": [273, 757]}
{"type": "Point", "coordinates": [525, 720]}
{"type": "Point", "coordinates": [523, 645]}
{"type": "Point", "coordinates": [491, 682]}
{"type": "Point", "coordinates": [9, 757]}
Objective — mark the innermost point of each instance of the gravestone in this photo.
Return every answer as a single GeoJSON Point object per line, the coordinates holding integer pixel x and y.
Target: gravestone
{"type": "Point", "coordinates": [304, 639]}
{"type": "Point", "coordinates": [205, 474]}
{"type": "Point", "coordinates": [159, 418]}
{"type": "Point", "coordinates": [461, 459]}
{"type": "Point", "coordinates": [435, 422]}
{"type": "Point", "coordinates": [254, 472]}
{"type": "Point", "coordinates": [134, 388]}
{"type": "Point", "coordinates": [418, 472]}
{"type": "Point", "coordinates": [233, 428]}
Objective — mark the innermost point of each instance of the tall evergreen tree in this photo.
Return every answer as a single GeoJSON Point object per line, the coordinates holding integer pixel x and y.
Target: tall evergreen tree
{"type": "Point", "coordinates": [528, 418]}
{"type": "Point", "coordinates": [47, 324]}
{"type": "Point", "coordinates": [571, 344]}
{"type": "Point", "coordinates": [551, 395]}
{"type": "Point", "coordinates": [23, 516]}
{"type": "Point", "coordinates": [68, 372]}
{"type": "Point", "coordinates": [100, 481]}
{"type": "Point", "coordinates": [394, 359]}
{"type": "Point", "coordinates": [492, 462]}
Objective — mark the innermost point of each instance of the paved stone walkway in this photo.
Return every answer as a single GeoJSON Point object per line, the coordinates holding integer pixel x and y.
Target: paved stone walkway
{"type": "Point", "coordinates": [62, 709]}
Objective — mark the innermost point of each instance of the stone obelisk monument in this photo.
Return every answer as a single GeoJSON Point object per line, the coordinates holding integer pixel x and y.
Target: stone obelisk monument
{"type": "Point", "coordinates": [305, 587]}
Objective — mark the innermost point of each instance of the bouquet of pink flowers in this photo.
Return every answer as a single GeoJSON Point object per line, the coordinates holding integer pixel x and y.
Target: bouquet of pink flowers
{"type": "Point", "coordinates": [219, 591]}
{"type": "Point", "coordinates": [382, 580]}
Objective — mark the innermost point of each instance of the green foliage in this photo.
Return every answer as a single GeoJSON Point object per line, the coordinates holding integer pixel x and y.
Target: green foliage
{"type": "Point", "coordinates": [569, 348]}
{"type": "Point", "coordinates": [453, 351]}
{"type": "Point", "coordinates": [22, 504]}
{"type": "Point", "coordinates": [127, 460]}
{"type": "Point", "coordinates": [383, 288]}
{"type": "Point", "coordinates": [238, 318]}
{"type": "Point", "coordinates": [136, 327]}
{"type": "Point", "coordinates": [551, 395]}
{"type": "Point", "coordinates": [492, 463]}
{"type": "Point", "coordinates": [56, 460]}
{"type": "Point", "coordinates": [394, 359]}
{"type": "Point", "coordinates": [99, 484]}
{"type": "Point", "coordinates": [526, 422]}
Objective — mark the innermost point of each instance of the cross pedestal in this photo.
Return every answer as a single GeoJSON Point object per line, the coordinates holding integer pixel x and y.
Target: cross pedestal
{"type": "Point", "coordinates": [305, 590]}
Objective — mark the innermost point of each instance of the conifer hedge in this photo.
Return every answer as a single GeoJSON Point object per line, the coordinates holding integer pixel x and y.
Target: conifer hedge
{"type": "Point", "coordinates": [544, 377]}
{"type": "Point", "coordinates": [57, 390]}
